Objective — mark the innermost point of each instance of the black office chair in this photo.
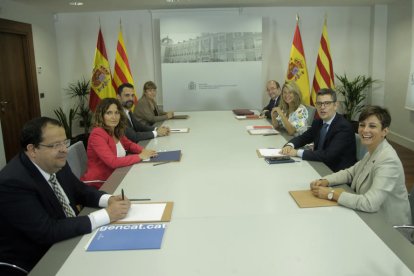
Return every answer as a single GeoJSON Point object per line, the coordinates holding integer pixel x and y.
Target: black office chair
{"type": "Point", "coordinates": [11, 270]}
{"type": "Point", "coordinates": [408, 230]}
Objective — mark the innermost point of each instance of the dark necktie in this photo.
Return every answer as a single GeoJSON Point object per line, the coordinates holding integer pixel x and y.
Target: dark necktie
{"type": "Point", "coordinates": [130, 118]}
{"type": "Point", "coordinates": [65, 206]}
{"type": "Point", "coordinates": [322, 135]}
{"type": "Point", "coordinates": [275, 102]}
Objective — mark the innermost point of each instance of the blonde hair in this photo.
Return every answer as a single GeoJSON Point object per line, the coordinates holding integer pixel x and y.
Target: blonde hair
{"type": "Point", "coordinates": [297, 100]}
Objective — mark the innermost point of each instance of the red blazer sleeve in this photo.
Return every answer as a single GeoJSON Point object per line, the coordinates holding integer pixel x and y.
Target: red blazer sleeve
{"type": "Point", "coordinates": [104, 147]}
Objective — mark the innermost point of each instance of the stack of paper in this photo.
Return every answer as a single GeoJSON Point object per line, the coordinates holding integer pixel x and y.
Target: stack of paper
{"type": "Point", "coordinates": [180, 117]}
{"type": "Point", "coordinates": [242, 112]}
{"type": "Point", "coordinates": [263, 131]}
{"type": "Point", "coordinates": [179, 130]}
{"type": "Point", "coordinates": [247, 117]}
{"type": "Point", "coordinates": [258, 127]}
{"type": "Point", "coordinates": [268, 153]}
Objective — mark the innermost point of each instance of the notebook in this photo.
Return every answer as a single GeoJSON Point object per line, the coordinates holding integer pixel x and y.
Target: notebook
{"type": "Point", "coordinates": [242, 112]}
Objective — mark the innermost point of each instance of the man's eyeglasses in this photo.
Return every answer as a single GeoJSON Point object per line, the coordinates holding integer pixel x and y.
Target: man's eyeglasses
{"type": "Point", "coordinates": [58, 145]}
{"type": "Point", "coordinates": [327, 103]}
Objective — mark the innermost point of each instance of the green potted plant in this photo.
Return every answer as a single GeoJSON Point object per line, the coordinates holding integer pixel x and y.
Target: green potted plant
{"type": "Point", "coordinates": [80, 90]}
{"type": "Point", "coordinates": [354, 92]}
{"type": "Point", "coordinates": [66, 121]}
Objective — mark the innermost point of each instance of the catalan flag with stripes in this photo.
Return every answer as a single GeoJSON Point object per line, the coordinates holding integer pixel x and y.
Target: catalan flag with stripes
{"type": "Point", "coordinates": [324, 74]}
{"type": "Point", "coordinates": [101, 82]}
{"type": "Point", "coordinates": [297, 69]}
{"type": "Point", "coordinates": [122, 70]}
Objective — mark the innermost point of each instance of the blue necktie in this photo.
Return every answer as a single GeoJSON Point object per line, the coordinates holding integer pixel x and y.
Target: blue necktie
{"type": "Point", "coordinates": [322, 135]}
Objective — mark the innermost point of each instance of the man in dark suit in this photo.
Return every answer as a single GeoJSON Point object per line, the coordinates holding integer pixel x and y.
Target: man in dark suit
{"type": "Point", "coordinates": [332, 135]}
{"type": "Point", "coordinates": [135, 130]}
{"type": "Point", "coordinates": [274, 91]}
{"type": "Point", "coordinates": [39, 195]}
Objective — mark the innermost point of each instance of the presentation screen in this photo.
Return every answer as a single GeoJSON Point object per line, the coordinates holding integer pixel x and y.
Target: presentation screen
{"type": "Point", "coordinates": [211, 63]}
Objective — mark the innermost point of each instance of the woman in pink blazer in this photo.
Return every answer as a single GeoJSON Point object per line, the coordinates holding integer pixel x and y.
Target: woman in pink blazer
{"type": "Point", "coordinates": [108, 146]}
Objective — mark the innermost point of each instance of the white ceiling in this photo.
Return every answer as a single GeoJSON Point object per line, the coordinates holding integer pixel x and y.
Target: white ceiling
{"type": "Point", "coordinates": [57, 6]}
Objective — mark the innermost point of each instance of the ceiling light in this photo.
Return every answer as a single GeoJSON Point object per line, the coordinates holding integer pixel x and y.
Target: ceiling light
{"type": "Point", "coordinates": [76, 3]}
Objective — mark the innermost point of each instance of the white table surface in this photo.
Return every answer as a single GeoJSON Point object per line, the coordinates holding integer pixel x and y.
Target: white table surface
{"type": "Point", "coordinates": [233, 214]}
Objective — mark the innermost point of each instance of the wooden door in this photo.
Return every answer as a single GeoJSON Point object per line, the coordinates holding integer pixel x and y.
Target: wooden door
{"type": "Point", "coordinates": [19, 100]}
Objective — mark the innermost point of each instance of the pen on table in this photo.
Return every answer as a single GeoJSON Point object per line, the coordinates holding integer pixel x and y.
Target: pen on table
{"type": "Point", "coordinates": [269, 134]}
{"type": "Point", "coordinates": [161, 163]}
{"type": "Point", "coordinates": [139, 199]}
{"type": "Point", "coordinates": [122, 194]}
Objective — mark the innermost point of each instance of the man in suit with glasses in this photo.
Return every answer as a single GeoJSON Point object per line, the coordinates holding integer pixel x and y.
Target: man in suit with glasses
{"type": "Point", "coordinates": [332, 136]}
{"type": "Point", "coordinates": [39, 195]}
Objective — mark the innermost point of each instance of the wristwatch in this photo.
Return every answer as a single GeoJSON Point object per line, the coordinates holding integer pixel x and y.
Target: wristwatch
{"type": "Point", "coordinates": [331, 194]}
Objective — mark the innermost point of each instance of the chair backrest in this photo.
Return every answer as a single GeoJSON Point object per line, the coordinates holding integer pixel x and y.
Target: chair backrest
{"type": "Point", "coordinates": [77, 158]}
{"type": "Point", "coordinates": [11, 269]}
{"type": "Point", "coordinates": [411, 200]}
{"type": "Point", "coordinates": [311, 114]}
{"type": "Point", "coordinates": [360, 149]}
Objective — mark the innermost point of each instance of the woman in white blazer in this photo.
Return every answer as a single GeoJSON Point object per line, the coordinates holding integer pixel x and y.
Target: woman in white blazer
{"type": "Point", "coordinates": [377, 180]}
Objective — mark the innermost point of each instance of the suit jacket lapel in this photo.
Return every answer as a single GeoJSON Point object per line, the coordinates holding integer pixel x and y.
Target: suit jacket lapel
{"type": "Point", "coordinates": [317, 137]}
{"type": "Point", "coordinates": [365, 172]}
{"type": "Point", "coordinates": [331, 128]}
{"type": "Point", "coordinates": [45, 191]}
{"type": "Point", "coordinates": [130, 121]}
{"type": "Point", "coordinates": [368, 166]}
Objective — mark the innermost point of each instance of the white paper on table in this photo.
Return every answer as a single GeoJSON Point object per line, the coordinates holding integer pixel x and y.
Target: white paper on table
{"type": "Point", "coordinates": [271, 152]}
{"type": "Point", "coordinates": [145, 212]}
{"type": "Point", "coordinates": [262, 131]}
{"type": "Point", "coordinates": [179, 129]}
{"type": "Point", "coordinates": [241, 117]}
{"type": "Point", "coordinates": [258, 127]}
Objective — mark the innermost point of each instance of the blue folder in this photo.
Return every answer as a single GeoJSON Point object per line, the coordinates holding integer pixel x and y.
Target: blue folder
{"type": "Point", "coordinates": [127, 237]}
{"type": "Point", "coordinates": [164, 156]}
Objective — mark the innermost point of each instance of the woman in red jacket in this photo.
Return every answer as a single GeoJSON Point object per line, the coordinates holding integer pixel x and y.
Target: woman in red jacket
{"type": "Point", "coordinates": [108, 146]}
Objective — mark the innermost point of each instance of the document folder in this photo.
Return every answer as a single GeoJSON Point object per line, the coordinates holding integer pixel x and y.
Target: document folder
{"type": "Point", "coordinates": [305, 199]}
{"type": "Point", "coordinates": [180, 117]}
{"type": "Point", "coordinates": [180, 130]}
{"type": "Point", "coordinates": [280, 160]}
{"type": "Point", "coordinates": [247, 117]}
{"type": "Point", "coordinates": [165, 156]}
{"type": "Point", "coordinates": [127, 237]}
{"type": "Point", "coordinates": [242, 112]}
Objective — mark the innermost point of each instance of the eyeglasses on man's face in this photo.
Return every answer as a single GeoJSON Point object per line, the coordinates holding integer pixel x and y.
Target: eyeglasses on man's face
{"type": "Point", "coordinates": [58, 145]}
{"type": "Point", "coordinates": [323, 104]}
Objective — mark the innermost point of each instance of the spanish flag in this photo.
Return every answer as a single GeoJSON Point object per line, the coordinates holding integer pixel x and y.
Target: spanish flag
{"type": "Point", "coordinates": [101, 83]}
{"type": "Point", "coordinates": [122, 71]}
{"type": "Point", "coordinates": [324, 74]}
{"type": "Point", "coordinates": [297, 70]}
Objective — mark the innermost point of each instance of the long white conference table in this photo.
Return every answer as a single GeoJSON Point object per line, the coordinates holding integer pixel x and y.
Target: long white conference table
{"type": "Point", "coordinates": [233, 215]}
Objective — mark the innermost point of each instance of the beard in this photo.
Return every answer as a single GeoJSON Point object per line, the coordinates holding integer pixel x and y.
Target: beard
{"type": "Point", "coordinates": [128, 104]}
